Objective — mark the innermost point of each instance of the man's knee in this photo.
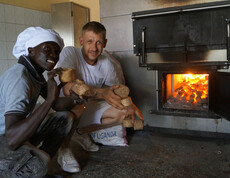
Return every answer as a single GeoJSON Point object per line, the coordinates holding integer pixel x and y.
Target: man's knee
{"type": "Point", "coordinates": [121, 116]}
{"type": "Point", "coordinates": [65, 121]}
{"type": "Point", "coordinates": [117, 116]}
{"type": "Point", "coordinates": [23, 162]}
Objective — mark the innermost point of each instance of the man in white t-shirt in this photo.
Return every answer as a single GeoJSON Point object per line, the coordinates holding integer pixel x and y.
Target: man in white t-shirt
{"type": "Point", "coordinates": [97, 71]}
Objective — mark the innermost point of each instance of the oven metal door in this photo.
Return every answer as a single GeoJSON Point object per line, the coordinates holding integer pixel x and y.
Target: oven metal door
{"type": "Point", "coordinates": [182, 36]}
{"type": "Point", "coordinates": [220, 94]}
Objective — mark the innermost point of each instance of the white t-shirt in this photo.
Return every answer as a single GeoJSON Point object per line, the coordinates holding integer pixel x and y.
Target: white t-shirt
{"type": "Point", "coordinates": [103, 73]}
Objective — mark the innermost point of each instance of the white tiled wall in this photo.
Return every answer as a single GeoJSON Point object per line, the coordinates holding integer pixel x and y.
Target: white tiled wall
{"type": "Point", "coordinates": [13, 20]}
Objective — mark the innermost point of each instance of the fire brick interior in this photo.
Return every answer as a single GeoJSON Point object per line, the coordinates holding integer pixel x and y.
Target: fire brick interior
{"type": "Point", "coordinates": [154, 154]}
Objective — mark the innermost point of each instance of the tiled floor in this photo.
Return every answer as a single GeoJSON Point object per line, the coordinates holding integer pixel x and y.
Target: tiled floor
{"type": "Point", "coordinates": [152, 154]}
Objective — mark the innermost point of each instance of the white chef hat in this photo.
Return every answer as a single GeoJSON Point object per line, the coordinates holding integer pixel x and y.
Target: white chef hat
{"type": "Point", "coordinates": [34, 36]}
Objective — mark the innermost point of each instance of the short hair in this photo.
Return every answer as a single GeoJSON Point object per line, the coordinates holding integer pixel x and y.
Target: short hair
{"type": "Point", "coordinates": [94, 26]}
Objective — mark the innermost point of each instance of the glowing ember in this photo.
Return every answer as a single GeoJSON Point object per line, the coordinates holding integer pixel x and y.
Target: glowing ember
{"type": "Point", "coordinates": [192, 87]}
{"type": "Point", "coordinates": [187, 91]}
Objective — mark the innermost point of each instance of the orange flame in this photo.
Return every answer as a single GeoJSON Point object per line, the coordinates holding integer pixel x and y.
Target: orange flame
{"type": "Point", "coordinates": [192, 87]}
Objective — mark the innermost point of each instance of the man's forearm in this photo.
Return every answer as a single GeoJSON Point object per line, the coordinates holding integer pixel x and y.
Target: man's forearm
{"type": "Point", "coordinates": [63, 103]}
{"type": "Point", "coordinates": [19, 129]}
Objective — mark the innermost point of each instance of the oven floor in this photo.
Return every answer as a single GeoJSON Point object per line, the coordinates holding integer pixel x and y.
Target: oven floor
{"type": "Point", "coordinates": [153, 154]}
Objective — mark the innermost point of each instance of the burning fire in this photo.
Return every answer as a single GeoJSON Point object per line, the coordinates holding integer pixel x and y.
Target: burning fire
{"type": "Point", "coordinates": [191, 88]}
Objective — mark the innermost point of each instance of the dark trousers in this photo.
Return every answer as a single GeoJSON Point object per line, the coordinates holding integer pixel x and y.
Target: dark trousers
{"type": "Point", "coordinates": [28, 160]}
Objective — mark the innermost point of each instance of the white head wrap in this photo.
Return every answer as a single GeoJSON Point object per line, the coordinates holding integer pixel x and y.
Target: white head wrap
{"type": "Point", "coordinates": [32, 37]}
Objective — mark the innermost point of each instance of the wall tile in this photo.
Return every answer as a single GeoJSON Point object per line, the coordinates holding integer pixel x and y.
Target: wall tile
{"type": "Point", "coordinates": [19, 15]}
{"type": "Point", "coordinates": [3, 66]}
{"type": "Point", "coordinates": [2, 13]}
{"type": "Point", "coordinates": [12, 62]}
{"type": "Point", "coordinates": [3, 50]}
{"type": "Point", "coordinates": [11, 32]}
{"type": "Point", "coordinates": [160, 121]}
{"type": "Point", "coordinates": [201, 124]}
{"type": "Point", "coordinates": [9, 49]}
{"type": "Point", "coordinates": [2, 32]}
{"type": "Point", "coordinates": [9, 14]}
{"type": "Point", "coordinates": [223, 125]}
{"type": "Point", "coordinates": [19, 29]}
{"type": "Point", "coordinates": [46, 20]}
{"type": "Point", "coordinates": [29, 17]}
{"type": "Point", "coordinates": [37, 18]}
{"type": "Point", "coordinates": [119, 27]}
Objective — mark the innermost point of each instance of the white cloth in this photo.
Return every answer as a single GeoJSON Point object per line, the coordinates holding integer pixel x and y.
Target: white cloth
{"type": "Point", "coordinates": [34, 36]}
{"type": "Point", "coordinates": [103, 73]}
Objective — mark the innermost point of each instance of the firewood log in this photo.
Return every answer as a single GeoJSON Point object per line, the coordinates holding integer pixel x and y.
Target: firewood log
{"type": "Point", "coordinates": [126, 101]}
{"type": "Point", "coordinates": [80, 88]}
{"type": "Point", "coordinates": [138, 125]}
{"type": "Point", "coordinates": [122, 91]}
{"type": "Point", "coordinates": [127, 122]}
{"type": "Point", "coordinates": [67, 75]}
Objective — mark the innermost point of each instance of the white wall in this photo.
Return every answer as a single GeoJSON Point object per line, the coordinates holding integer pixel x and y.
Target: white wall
{"type": "Point", "coordinates": [13, 20]}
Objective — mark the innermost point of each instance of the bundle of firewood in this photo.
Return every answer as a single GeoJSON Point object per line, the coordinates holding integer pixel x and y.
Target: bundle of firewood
{"type": "Point", "coordinates": [123, 92]}
{"type": "Point", "coordinates": [80, 88]}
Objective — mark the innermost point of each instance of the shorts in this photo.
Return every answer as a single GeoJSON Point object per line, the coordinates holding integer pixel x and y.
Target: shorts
{"type": "Point", "coordinates": [93, 112]}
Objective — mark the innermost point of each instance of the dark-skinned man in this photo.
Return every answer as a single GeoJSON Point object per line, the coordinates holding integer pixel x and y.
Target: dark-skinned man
{"type": "Point", "coordinates": [30, 137]}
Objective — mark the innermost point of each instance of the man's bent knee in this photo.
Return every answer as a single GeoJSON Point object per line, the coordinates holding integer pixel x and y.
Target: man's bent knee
{"type": "Point", "coordinates": [65, 122]}
{"type": "Point", "coordinates": [115, 116]}
{"type": "Point", "coordinates": [26, 161]}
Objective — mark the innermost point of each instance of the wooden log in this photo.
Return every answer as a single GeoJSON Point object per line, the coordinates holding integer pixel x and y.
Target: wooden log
{"type": "Point", "coordinates": [67, 75]}
{"type": "Point", "coordinates": [122, 91]}
{"type": "Point", "coordinates": [80, 88]}
{"type": "Point", "coordinates": [138, 125]}
{"type": "Point", "coordinates": [127, 122]}
{"type": "Point", "coordinates": [126, 101]}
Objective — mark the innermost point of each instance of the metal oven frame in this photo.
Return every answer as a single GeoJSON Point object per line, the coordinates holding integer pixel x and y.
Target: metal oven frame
{"type": "Point", "coordinates": [179, 39]}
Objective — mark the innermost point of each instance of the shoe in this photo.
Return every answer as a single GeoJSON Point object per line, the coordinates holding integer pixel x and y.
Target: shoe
{"type": "Point", "coordinates": [67, 161]}
{"type": "Point", "coordinates": [85, 141]}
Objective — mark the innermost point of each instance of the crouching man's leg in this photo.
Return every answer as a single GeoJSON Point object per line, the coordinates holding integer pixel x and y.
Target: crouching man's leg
{"type": "Point", "coordinates": [111, 117]}
{"type": "Point", "coordinates": [97, 115]}
{"type": "Point", "coordinates": [55, 132]}
{"type": "Point", "coordinates": [26, 161]}
{"type": "Point", "coordinates": [65, 157]}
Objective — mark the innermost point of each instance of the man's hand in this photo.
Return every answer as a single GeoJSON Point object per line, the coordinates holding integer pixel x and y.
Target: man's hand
{"type": "Point", "coordinates": [78, 99]}
{"type": "Point", "coordinates": [110, 97]}
{"type": "Point", "coordinates": [133, 111]}
{"type": "Point", "coordinates": [52, 88]}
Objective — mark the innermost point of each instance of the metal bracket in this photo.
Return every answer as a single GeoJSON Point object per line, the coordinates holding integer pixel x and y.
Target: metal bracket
{"type": "Point", "coordinates": [142, 56]}
{"type": "Point", "coordinates": [228, 39]}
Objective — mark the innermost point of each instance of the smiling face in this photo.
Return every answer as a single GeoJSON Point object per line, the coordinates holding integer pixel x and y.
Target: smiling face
{"type": "Point", "coordinates": [92, 46]}
{"type": "Point", "coordinates": [44, 56]}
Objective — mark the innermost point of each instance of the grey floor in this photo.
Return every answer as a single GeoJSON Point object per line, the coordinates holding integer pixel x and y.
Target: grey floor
{"type": "Point", "coordinates": [152, 154]}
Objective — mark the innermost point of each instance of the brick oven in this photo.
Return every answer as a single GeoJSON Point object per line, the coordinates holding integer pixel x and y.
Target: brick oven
{"type": "Point", "coordinates": [188, 46]}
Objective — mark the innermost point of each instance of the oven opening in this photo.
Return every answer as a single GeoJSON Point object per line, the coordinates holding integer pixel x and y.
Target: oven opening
{"type": "Point", "coordinates": [185, 92]}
